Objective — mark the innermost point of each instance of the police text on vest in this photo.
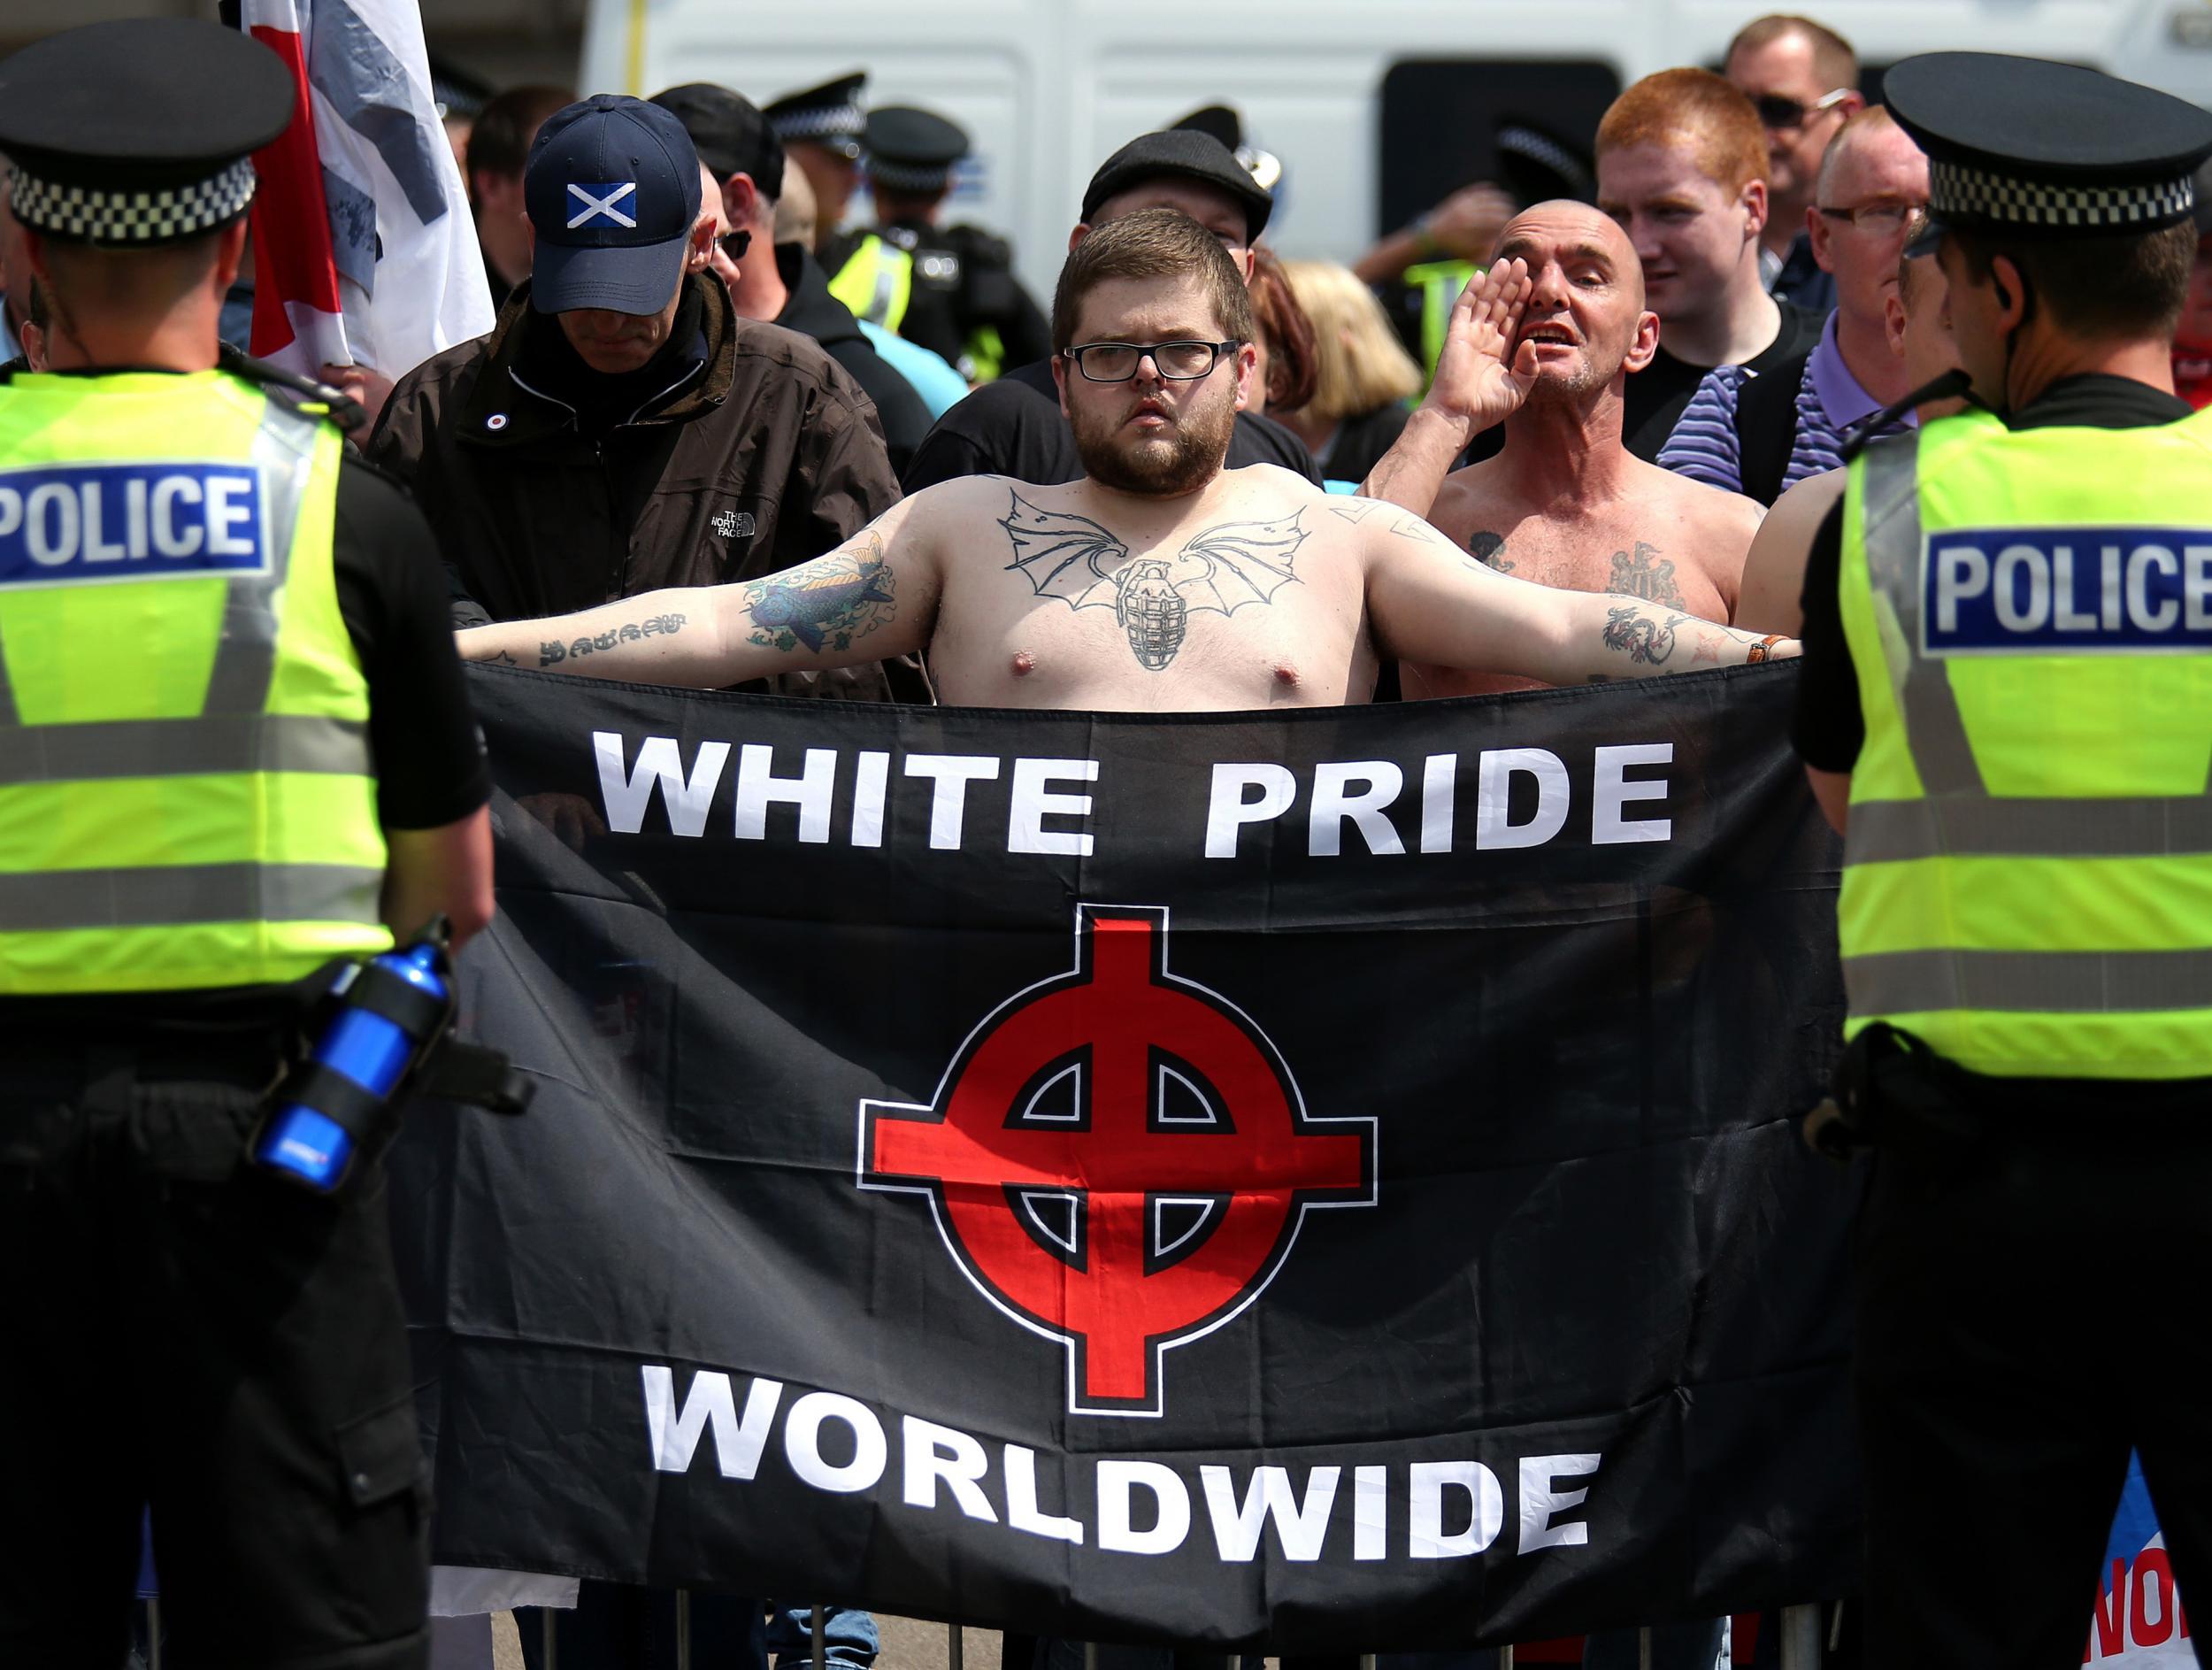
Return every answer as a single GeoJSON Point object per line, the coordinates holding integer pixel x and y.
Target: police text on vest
{"type": "Point", "coordinates": [67, 523]}
{"type": "Point", "coordinates": [2065, 590]}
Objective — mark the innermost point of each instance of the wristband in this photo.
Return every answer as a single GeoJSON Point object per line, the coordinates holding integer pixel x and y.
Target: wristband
{"type": "Point", "coordinates": [1763, 650]}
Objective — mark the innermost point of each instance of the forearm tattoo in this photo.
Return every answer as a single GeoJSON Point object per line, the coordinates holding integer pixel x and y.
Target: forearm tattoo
{"type": "Point", "coordinates": [828, 604]}
{"type": "Point", "coordinates": [552, 654]}
{"type": "Point", "coordinates": [1220, 569]}
{"type": "Point", "coordinates": [1641, 634]}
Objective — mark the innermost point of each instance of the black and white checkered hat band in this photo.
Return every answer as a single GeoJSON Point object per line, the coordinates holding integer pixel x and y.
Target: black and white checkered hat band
{"type": "Point", "coordinates": [89, 215]}
{"type": "Point", "coordinates": [838, 121]}
{"type": "Point", "coordinates": [899, 176]}
{"type": "Point", "coordinates": [1958, 192]}
{"type": "Point", "coordinates": [1526, 142]}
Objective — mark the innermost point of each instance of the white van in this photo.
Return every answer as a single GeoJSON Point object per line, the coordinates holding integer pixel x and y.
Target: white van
{"type": "Point", "coordinates": [1376, 107]}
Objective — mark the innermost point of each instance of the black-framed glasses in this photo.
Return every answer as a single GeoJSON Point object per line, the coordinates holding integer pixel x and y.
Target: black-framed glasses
{"type": "Point", "coordinates": [1778, 109]}
{"type": "Point", "coordinates": [733, 244]}
{"type": "Point", "coordinates": [1884, 219]}
{"type": "Point", "coordinates": [1177, 361]}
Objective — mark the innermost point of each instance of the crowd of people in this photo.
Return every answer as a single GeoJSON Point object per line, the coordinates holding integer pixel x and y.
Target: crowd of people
{"type": "Point", "coordinates": [1631, 374]}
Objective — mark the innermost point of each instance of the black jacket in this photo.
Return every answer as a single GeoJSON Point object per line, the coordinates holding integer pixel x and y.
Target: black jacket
{"type": "Point", "coordinates": [766, 455]}
{"type": "Point", "coordinates": [813, 311]}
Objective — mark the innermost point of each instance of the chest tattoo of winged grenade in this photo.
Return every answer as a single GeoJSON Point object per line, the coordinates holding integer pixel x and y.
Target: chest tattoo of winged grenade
{"type": "Point", "coordinates": [1221, 569]}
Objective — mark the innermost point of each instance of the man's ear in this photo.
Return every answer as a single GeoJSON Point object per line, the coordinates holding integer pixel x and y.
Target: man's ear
{"type": "Point", "coordinates": [699, 249]}
{"type": "Point", "coordinates": [1894, 323]}
{"type": "Point", "coordinates": [2010, 288]}
{"type": "Point", "coordinates": [1076, 236]}
{"type": "Point", "coordinates": [1753, 200]}
{"type": "Point", "coordinates": [741, 201]}
{"type": "Point", "coordinates": [1817, 228]}
{"type": "Point", "coordinates": [230, 253]}
{"type": "Point", "coordinates": [1644, 344]}
{"type": "Point", "coordinates": [1248, 263]}
{"type": "Point", "coordinates": [1247, 369]}
{"type": "Point", "coordinates": [1061, 368]}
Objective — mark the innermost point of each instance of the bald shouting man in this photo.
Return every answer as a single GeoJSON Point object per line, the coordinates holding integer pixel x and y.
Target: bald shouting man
{"type": "Point", "coordinates": [1158, 582]}
{"type": "Point", "coordinates": [1565, 503]}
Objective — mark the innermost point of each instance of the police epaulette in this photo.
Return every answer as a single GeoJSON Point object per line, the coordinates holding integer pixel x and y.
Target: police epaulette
{"type": "Point", "coordinates": [1951, 384]}
{"type": "Point", "coordinates": [315, 399]}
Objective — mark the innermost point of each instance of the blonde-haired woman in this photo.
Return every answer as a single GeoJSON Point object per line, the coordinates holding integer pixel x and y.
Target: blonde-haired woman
{"type": "Point", "coordinates": [1365, 376]}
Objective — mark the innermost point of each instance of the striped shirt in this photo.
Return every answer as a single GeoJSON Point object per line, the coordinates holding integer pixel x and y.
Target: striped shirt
{"type": "Point", "coordinates": [1705, 445]}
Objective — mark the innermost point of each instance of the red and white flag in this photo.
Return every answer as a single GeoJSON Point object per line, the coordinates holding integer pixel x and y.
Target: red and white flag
{"type": "Point", "coordinates": [365, 252]}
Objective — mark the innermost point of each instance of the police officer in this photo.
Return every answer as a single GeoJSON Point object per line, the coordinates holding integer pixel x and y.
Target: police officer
{"type": "Point", "coordinates": [951, 290]}
{"type": "Point", "coordinates": [2005, 703]}
{"type": "Point", "coordinates": [819, 128]}
{"type": "Point", "coordinates": [235, 746]}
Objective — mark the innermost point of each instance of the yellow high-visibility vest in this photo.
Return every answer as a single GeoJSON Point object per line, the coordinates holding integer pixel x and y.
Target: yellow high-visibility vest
{"type": "Point", "coordinates": [186, 794]}
{"type": "Point", "coordinates": [876, 282]}
{"type": "Point", "coordinates": [2028, 874]}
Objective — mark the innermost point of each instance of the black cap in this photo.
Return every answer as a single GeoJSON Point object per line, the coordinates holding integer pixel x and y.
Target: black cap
{"type": "Point", "coordinates": [828, 115]}
{"type": "Point", "coordinates": [1180, 153]}
{"type": "Point", "coordinates": [1222, 122]}
{"type": "Point", "coordinates": [611, 188]}
{"type": "Point", "coordinates": [2203, 214]}
{"type": "Point", "coordinates": [139, 133]}
{"type": "Point", "coordinates": [730, 133]}
{"type": "Point", "coordinates": [2023, 148]}
{"type": "Point", "coordinates": [910, 150]}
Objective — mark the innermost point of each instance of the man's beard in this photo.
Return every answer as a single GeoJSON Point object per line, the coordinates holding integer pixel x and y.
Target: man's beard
{"type": "Point", "coordinates": [1162, 463]}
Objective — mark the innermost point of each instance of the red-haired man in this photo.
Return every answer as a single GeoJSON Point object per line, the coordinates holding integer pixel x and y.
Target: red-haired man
{"type": "Point", "coordinates": [1682, 162]}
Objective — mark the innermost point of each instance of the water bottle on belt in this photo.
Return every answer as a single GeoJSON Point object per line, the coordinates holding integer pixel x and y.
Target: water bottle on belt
{"type": "Point", "coordinates": [390, 1012]}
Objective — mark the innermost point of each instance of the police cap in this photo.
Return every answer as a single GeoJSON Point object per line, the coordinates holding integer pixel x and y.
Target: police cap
{"type": "Point", "coordinates": [2023, 148]}
{"type": "Point", "coordinates": [910, 150]}
{"type": "Point", "coordinates": [828, 115]}
{"type": "Point", "coordinates": [140, 132]}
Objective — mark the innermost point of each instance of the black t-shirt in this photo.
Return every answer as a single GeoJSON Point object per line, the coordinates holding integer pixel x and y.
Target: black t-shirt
{"type": "Point", "coordinates": [1656, 395]}
{"type": "Point", "coordinates": [1013, 427]}
{"type": "Point", "coordinates": [430, 765]}
{"type": "Point", "coordinates": [1829, 728]}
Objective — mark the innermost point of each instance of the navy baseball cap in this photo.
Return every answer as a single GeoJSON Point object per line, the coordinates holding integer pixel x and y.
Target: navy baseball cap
{"type": "Point", "coordinates": [611, 187]}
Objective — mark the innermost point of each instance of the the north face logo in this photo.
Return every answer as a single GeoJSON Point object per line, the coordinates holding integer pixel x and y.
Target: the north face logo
{"type": "Point", "coordinates": [1119, 1158]}
{"type": "Point", "coordinates": [735, 524]}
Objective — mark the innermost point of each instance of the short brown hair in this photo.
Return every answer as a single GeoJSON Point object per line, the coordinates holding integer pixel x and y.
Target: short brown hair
{"type": "Point", "coordinates": [1696, 108]}
{"type": "Point", "coordinates": [1292, 366]}
{"type": "Point", "coordinates": [1833, 60]}
{"type": "Point", "coordinates": [499, 141]}
{"type": "Point", "coordinates": [1151, 243]}
{"type": "Point", "coordinates": [2098, 289]}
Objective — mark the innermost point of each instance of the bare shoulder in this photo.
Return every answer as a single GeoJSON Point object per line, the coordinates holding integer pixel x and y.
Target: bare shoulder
{"type": "Point", "coordinates": [1774, 572]}
{"type": "Point", "coordinates": [1722, 520]}
{"type": "Point", "coordinates": [1466, 504]}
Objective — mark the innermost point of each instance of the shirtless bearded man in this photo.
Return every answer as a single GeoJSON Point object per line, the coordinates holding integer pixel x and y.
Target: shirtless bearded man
{"type": "Point", "coordinates": [1157, 582]}
{"type": "Point", "coordinates": [1552, 330]}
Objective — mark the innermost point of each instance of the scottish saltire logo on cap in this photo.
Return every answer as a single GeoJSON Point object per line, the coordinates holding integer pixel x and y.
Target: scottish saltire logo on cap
{"type": "Point", "coordinates": [602, 205]}
{"type": "Point", "coordinates": [2065, 590]}
{"type": "Point", "coordinates": [74, 524]}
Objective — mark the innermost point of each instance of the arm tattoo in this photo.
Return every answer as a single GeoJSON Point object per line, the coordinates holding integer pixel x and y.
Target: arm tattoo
{"type": "Point", "coordinates": [1640, 634]}
{"type": "Point", "coordinates": [1085, 564]}
{"type": "Point", "coordinates": [1645, 574]}
{"type": "Point", "coordinates": [1489, 550]}
{"type": "Point", "coordinates": [1352, 509]}
{"type": "Point", "coordinates": [505, 657]}
{"type": "Point", "coordinates": [825, 605]}
{"type": "Point", "coordinates": [628, 632]}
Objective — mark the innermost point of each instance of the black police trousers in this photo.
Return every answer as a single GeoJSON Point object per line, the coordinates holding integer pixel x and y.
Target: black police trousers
{"type": "Point", "coordinates": [2035, 1298]}
{"type": "Point", "coordinates": [180, 1332]}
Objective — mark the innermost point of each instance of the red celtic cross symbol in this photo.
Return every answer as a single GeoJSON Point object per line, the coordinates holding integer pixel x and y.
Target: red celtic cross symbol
{"type": "Point", "coordinates": [1119, 1158]}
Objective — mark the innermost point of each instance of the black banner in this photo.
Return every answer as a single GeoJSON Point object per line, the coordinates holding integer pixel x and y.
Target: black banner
{"type": "Point", "coordinates": [1326, 1178]}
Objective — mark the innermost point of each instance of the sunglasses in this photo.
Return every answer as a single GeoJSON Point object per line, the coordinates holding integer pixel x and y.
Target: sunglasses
{"type": "Point", "coordinates": [733, 244]}
{"type": "Point", "coordinates": [1779, 112]}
